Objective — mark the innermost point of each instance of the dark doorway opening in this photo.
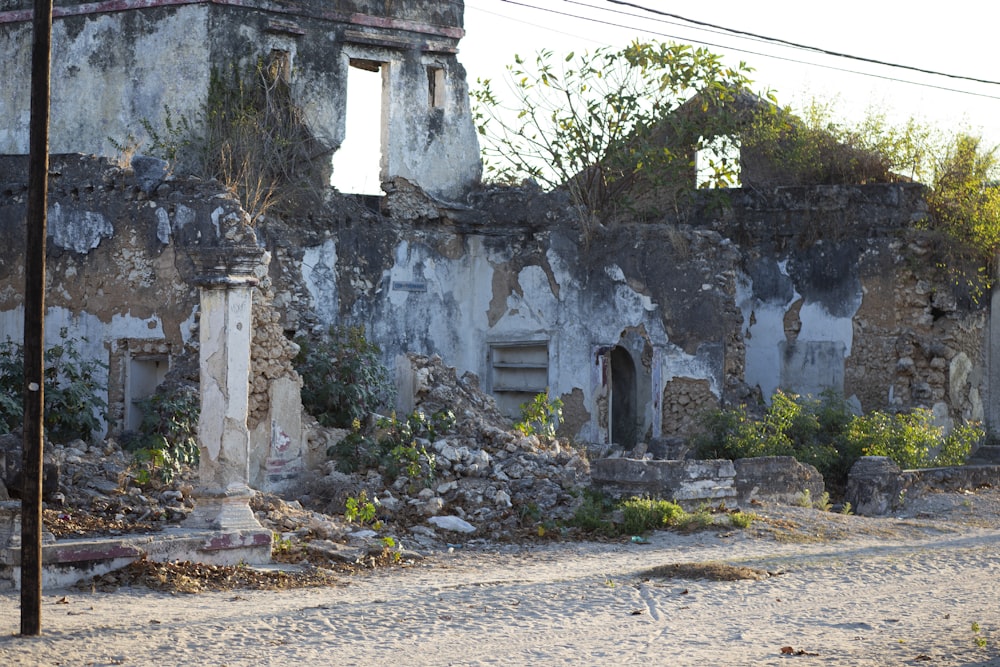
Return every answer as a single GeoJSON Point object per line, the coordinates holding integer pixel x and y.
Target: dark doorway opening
{"type": "Point", "coordinates": [624, 424]}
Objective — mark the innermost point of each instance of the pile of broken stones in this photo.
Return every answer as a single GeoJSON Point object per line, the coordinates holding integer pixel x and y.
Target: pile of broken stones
{"type": "Point", "coordinates": [491, 484]}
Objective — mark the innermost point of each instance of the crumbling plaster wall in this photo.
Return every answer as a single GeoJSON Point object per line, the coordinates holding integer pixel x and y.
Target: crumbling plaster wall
{"type": "Point", "coordinates": [706, 312]}
{"type": "Point", "coordinates": [119, 271]}
{"type": "Point", "coordinates": [664, 293]}
{"type": "Point", "coordinates": [785, 291]}
{"type": "Point", "coordinates": [126, 63]}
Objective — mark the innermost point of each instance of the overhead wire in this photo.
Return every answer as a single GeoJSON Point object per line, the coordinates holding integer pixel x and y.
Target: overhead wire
{"type": "Point", "coordinates": [777, 40]}
{"type": "Point", "coordinates": [750, 36]}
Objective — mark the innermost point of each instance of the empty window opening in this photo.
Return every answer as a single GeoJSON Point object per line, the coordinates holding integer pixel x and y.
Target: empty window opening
{"type": "Point", "coordinates": [357, 164]}
{"type": "Point", "coordinates": [717, 164]}
{"type": "Point", "coordinates": [519, 372]}
{"type": "Point", "coordinates": [435, 87]}
{"type": "Point", "coordinates": [144, 375]}
{"type": "Point", "coordinates": [624, 424]}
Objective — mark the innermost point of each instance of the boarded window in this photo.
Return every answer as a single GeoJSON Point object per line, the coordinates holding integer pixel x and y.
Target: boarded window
{"type": "Point", "coordinates": [435, 87]}
{"type": "Point", "coordinates": [519, 372]}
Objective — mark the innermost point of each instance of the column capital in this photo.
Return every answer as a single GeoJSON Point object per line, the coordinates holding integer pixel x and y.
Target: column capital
{"type": "Point", "coordinates": [219, 267]}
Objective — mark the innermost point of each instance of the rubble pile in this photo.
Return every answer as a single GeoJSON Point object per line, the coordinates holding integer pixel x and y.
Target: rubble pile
{"type": "Point", "coordinates": [489, 481]}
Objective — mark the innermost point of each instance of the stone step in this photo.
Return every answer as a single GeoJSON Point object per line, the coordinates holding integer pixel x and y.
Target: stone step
{"type": "Point", "coordinates": [985, 455]}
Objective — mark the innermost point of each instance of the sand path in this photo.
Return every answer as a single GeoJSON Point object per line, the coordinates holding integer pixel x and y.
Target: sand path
{"type": "Point", "coordinates": [882, 597]}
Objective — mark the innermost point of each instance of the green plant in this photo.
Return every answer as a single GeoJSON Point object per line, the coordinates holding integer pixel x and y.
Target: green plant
{"type": "Point", "coordinates": [540, 417]}
{"type": "Point", "coordinates": [642, 514]}
{"type": "Point", "coordinates": [362, 510]}
{"type": "Point", "coordinates": [611, 125]}
{"type": "Point", "coordinates": [823, 502]}
{"type": "Point", "coordinates": [826, 434]}
{"type": "Point", "coordinates": [395, 445]}
{"type": "Point", "coordinates": [343, 376]}
{"type": "Point", "coordinates": [911, 439]}
{"type": "Point", "coordinates": [74, 407]}
{"type": "Point", "coordinates": [742, 519]}
{"type": "Point", "coordinates": [804, 499]}
{"type": "Point", "coordinates": [279, 544]}
{"type": "Point", "coordinates": [592, 514]}
{"type": "Point", "coordinates": [167, 441]}
{"type": "Point", "coordinates": [846, 509]}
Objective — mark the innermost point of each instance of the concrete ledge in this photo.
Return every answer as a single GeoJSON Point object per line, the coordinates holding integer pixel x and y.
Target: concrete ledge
{"type": "Point", "coordinates": [876, 485]}
{"type": "Point", "coordinates": [688, 483]}
{"type": "Point", "coordinates": [66, 562]}
{"type": "Point", "coordinates": [779, 479]}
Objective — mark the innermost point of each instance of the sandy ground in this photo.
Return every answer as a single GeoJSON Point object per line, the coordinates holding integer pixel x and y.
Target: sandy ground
{"type": "Point", "coordinates": [923, 588]}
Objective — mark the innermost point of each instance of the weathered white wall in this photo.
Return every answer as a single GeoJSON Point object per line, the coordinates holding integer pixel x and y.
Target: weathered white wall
{"type": "Point", "coordinates": [109, 73]}
{"type": "Point", "coordinates": [804, 351]}
{"type": "Point", "coordinates": [115, 72]}
{"type": "Point", "coordinates": [457, 306]}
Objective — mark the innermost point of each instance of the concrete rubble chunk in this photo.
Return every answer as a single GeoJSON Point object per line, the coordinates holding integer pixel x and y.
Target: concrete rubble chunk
{"type": "Point", "coordinates": [452, 523]}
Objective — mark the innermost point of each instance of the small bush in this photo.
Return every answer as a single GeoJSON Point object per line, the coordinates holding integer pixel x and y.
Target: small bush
{"type": "Point", "coordinates": [394, 445]}
{"type": "Point", "coordinates": [912, 440]}
{"type": "Point", "coordinates": [74, 407]}
{"type": "Point", "coordinates": [644, 514]}
{"type": "Point", "coordinates": [824, 433]}
{"type": "Point", "coordinates": [540, 417]}
{"type": "Point", "coordinates": [343, 376]}
{"type": "Point", "coordinates": [167, 441]}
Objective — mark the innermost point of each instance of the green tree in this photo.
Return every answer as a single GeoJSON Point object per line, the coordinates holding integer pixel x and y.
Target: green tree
{"type": "Point", "coordinates": [607, 124]}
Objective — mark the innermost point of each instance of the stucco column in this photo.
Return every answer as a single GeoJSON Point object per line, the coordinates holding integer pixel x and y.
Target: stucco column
{"type": "Point", "coordinates": [225, 281]}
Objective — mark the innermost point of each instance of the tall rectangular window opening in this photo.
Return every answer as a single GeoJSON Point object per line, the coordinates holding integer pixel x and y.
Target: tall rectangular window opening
{"type": "Point", "coordinates": [518, 372]}
{"type": "Point", "coordinates": [145, 374]}
{"type": "Point", "coordinates": [435, 87]}
{"type": "Point", "coordinates": [357, 164]}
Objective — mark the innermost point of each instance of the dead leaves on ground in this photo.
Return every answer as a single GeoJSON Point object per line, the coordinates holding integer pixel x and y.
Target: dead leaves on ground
{"type": "Point", "coordinates": [711, 571]}
{"type": "Point", "coordinates": [188, 577]}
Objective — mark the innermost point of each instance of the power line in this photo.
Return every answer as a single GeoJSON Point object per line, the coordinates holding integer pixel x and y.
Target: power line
{"type": "Point", "coordinates": [736, 49]}
{"type": "Point", "coordinates": [796, 45]}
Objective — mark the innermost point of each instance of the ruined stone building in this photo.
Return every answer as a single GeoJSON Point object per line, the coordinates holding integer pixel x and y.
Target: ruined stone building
{"type": "Point", "coordinates": [637, 327]}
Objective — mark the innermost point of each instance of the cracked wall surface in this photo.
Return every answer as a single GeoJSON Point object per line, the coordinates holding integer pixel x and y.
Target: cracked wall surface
{"type": "Point", "coordinates": [720, 309]}
{"type": "Point", "coordinates": [127, 66]}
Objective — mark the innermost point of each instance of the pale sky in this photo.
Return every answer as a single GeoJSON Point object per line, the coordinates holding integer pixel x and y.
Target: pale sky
{"type": "Point", "coordinates": [960, 37]}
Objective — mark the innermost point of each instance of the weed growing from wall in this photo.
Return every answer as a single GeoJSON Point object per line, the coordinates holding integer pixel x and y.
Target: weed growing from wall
{"type": "Point", "coordinates": [250, 136]}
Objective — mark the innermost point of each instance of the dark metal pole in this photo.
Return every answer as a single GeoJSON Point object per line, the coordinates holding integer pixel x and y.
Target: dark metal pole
{"type": "Point", "coordinates": [34, 323]}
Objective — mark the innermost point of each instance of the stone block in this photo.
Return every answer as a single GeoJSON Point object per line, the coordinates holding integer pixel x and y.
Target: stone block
{"type": "Point", "coordinates": [689, 483]}
{"type": "Point", "coordinates": [779, 479]}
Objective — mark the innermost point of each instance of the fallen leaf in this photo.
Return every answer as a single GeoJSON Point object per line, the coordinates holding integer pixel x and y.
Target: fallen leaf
{"type": "Point", "coordinates": [787, 650]}
{"type": "Point", "coordinates": [63, 600]}
{"type": "Point", "coordinates": [923, 658]}
{"type": "Point", "coordinates": [637, 612]}
{"type": "Point", "coordinates": [153, 621]}
{"type": "Point", "coordinates": [684, 592]}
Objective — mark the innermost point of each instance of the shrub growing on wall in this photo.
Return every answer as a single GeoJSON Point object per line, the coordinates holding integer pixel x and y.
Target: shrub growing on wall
{"type": "Point", "coordinates": [343, 376]}
{"type": "Point", "coordinates": [602, 122]}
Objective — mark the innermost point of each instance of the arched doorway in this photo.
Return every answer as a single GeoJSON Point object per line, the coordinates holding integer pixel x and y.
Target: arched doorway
{"type": "Point", "coordinates": [623, 398]}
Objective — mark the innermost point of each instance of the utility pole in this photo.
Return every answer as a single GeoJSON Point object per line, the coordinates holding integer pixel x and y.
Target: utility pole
{"type": "Point", "coordinates": [34, 322]}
